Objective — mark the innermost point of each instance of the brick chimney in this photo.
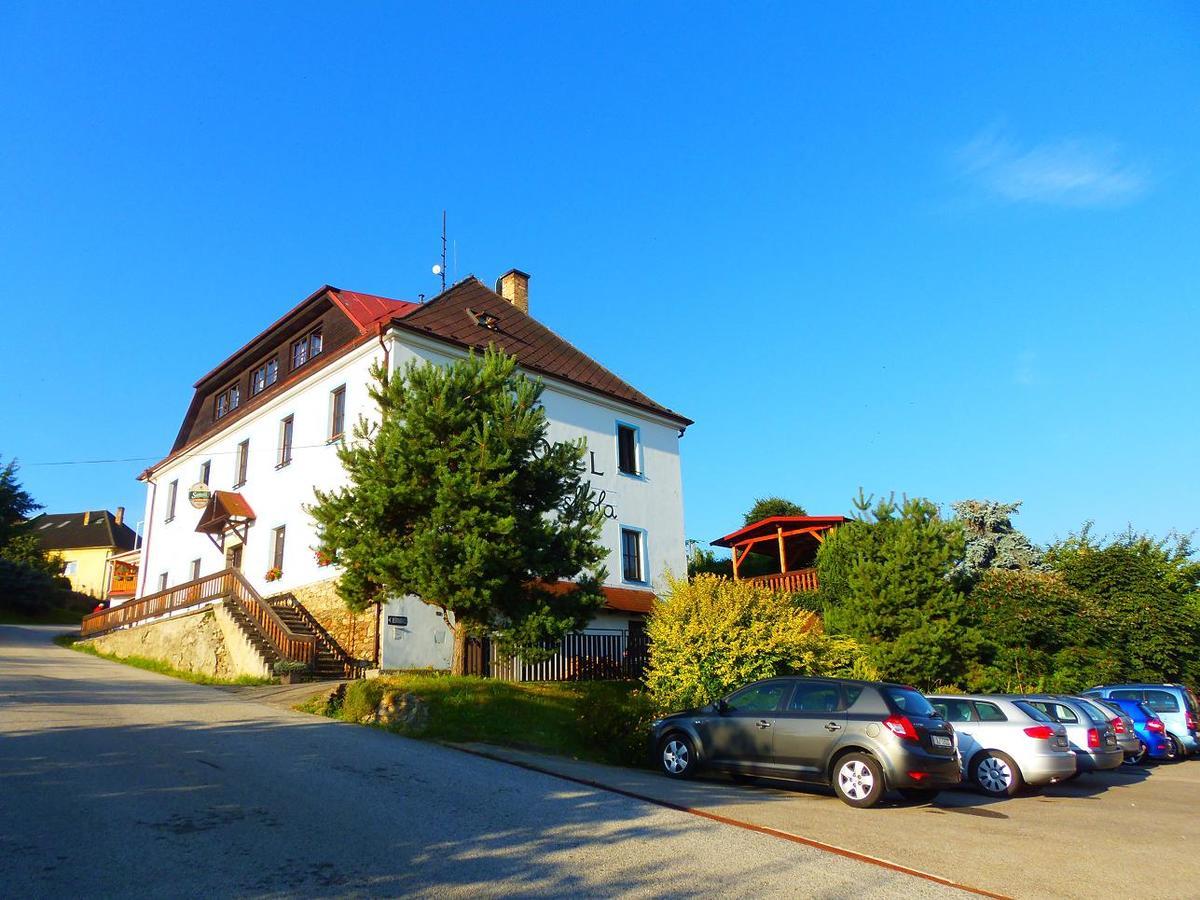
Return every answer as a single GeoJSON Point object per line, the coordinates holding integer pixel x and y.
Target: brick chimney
{"type": "Point", "coordinates": [513, 286]}
{"type": "Point", "coordinates": [120, 516]}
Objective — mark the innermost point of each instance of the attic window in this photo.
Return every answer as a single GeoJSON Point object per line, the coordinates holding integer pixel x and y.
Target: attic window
{"type": "Point", "coordinates": [484, 319]}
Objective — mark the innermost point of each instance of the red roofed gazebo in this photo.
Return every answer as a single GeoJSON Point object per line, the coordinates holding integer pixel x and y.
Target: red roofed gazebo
{"type": "Point", "coordinates": [791, 541]}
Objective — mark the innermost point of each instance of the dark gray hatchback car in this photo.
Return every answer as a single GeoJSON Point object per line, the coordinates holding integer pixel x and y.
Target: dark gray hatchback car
{"type": "Point", "coordinates": [861, 737]}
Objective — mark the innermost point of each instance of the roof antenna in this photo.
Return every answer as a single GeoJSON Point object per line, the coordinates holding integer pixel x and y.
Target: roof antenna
{"type": "Point", "coordinates": [441, 270]}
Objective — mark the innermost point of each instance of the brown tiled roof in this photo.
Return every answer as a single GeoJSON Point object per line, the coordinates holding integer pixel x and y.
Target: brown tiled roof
{"type": "Point", "coordinates": [454, 316]}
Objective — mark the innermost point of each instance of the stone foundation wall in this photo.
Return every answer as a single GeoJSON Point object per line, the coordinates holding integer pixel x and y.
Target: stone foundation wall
{"type": "Point", "coordinates": [354, 631]}
{"type": "Point", "coordinates": [191, 643]}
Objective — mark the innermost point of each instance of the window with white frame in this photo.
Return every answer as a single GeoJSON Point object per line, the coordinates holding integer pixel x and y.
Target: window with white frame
{"type": "Point", "coordinates": [264, 376]}
{"type": "Point", "coordinates": [205, 470]}
{"type": "Point", "coordinates": [307, 348]}
{"type": "Point", "coordinates": [70, 568]}
{"type": "Point", "coordinates": [162, 581]}
{"type": "Point", "coordinates": [285, 441]}
{"type": "Point", "coordinates": [337, 412]}
{"type": "Point", "coordinates": [172, 494]}
{"type": "Point", "coordinates": [228, 400]}
{"type": "Point", "coordinates": [629, 450]}
{"type": "Point", "coordinates": [633, 567]}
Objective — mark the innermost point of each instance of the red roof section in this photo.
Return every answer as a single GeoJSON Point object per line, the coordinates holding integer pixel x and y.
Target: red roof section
{"type": "Point", "coordinates": [368, 310]}
{"type": "Point", "coordinates": [622, 599]}
{"type": "Point", "coordinates": [768, 526]}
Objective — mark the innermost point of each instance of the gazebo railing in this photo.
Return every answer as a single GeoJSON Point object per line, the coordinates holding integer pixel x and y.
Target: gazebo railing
{"type": "Point", "coordinates": [792, 582]}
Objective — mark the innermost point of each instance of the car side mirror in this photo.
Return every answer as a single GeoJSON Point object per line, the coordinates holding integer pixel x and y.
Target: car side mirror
{"type": "Point", "coordinates": [722, 707]}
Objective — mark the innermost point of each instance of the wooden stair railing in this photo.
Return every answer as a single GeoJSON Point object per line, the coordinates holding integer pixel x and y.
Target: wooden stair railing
{"type": "Point", "coordinates": [208, 589]}
{"type": "Point", "coordinates": [351, 667]}
{"type": "Point", "coordinates": [228, 584]}
{"type": "Point", "coordinates": [299, 647]}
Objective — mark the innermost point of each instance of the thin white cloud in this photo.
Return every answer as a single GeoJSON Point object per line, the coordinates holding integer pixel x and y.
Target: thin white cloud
{"type": "Point", "coordinates": [1066, 172]}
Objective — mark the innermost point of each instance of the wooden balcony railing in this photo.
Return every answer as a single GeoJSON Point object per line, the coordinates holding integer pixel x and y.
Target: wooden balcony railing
{"type": "Point", "coordinates": [791, 582]}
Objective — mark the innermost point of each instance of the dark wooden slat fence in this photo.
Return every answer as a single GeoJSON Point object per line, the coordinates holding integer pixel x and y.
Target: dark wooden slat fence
{"type": "Point", "coordinates": [583, 656]}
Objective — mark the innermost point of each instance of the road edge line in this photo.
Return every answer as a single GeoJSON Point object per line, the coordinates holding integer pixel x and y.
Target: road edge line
{"type": "Point", "coordinates": [737, 823]}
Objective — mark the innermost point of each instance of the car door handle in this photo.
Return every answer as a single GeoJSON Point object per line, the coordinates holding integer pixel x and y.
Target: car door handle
{"type": "Point", "coordinates": [762, 723]}
{"type": "Point", "coordinates": [832, 726]}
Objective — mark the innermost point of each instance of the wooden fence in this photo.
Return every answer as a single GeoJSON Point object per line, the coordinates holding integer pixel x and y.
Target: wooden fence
{"type": "Point", "coordinates": [582, 656]}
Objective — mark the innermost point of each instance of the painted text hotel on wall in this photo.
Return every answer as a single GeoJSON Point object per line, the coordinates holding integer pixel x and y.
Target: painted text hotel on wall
{"type": "Point", "coordinates": [262, 429]}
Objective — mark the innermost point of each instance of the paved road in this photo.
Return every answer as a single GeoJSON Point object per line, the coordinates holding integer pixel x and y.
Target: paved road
{"type": "Point", "coordinates": [119, 782]}
{"type": "Point", "coordinates": [1125, 833]}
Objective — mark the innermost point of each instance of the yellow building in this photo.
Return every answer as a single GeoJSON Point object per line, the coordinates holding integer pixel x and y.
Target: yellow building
{"type": "Point", "coordinates": [85, 541]}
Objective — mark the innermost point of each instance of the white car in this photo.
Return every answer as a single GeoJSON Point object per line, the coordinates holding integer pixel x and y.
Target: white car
{"type": "Point", "coordinates": [1006, 743]}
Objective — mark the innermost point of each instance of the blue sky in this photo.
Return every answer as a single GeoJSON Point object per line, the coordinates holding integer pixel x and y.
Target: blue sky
{"type": "Point", "coordinates": [942, 249]}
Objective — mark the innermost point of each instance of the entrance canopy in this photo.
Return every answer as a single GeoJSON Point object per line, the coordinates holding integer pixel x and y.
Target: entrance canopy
{"type": "Point", "coordinates": [226, 511]}
{"type": "Point", "coordinates": [792, 541]}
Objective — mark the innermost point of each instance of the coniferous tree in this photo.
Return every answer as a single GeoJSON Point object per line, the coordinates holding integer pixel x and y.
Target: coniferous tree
{"type": "Point", "coordinates": [885, 581]}
{"type": "Point", "coordinates": [456, 496]}
{"type": "Point", "coordinates": [764, 507]}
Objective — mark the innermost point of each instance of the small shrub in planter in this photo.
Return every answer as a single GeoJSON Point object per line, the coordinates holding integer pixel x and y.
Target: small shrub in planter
{"type": "Point", "coordinates": [289, 670]}
{"type": "Point", "coordinates": [273, 574]}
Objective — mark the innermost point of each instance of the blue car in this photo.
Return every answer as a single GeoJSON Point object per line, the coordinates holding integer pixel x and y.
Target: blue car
{"type": "Point", "coordinates": [1149, 728]}
{"type": "Point", "coordinates": [1173, 703]}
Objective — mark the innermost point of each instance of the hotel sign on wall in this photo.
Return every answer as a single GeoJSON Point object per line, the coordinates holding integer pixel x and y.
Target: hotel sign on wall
{"type": "Point", "coordinates": [199, 495]}
{"type": "Point", "coordinates": [599, 500]}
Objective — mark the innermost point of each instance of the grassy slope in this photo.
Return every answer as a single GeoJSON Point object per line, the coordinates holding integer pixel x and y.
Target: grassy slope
{"type": "Point", "coordinates": [533, 716]}
{"type": "Point", "coordinates": [154, 665]}
{"type": "Point", "coordinates": [53, 617]}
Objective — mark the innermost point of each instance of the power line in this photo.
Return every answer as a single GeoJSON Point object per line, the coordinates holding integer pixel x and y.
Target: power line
{"type": "Point", "coordinates": [128, 459]}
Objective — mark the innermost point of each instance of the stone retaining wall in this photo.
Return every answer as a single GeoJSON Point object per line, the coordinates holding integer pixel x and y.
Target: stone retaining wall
{"type": "Point", "coordinates": [194, 642]}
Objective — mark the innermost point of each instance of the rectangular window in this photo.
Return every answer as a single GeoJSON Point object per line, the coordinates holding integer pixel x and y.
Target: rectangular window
{"type": "Point", "coordinates": [306, 348]}
{"type": "Point", "coordinates": [205, 470]}
{"type": "Point", "coordinates": [631, 555]}
{"type": "Point", "coordinates": [172, 493]}
{"type": "Point", "coordinates": [627, 450]}
{"type": "Point", "coordinates": [243, 461]}
{"type": "Point", "coordinates": [69, 568]}
{"type": "Point", "coordinates": [264, 376]}
{"type": "Point", "coordinates": [162, 581]}
{"type": "Point", "coordinates": [228, 400]}
{"type": "Point", "coordinates": [285, 442]}
{"type": "Point", "coordinates": [277, 547]}
{"type": "Point", "coordinates": [337, 412]}
{"type": "Point", "coordinates": [195, 570]}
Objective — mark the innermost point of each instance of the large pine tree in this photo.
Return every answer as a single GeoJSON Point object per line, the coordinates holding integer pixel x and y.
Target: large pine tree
{"type": "Point", "coordinates": [456, 496]}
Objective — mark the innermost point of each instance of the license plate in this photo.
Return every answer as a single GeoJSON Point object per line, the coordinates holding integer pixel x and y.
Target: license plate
{"type": "Point", "coordinates": [940, 740]}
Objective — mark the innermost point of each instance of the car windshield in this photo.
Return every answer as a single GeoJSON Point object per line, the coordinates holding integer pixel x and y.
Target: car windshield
{"type": "Point", "coordinates": [1191, 701]}
{"type": "Point", "coordinates": [1032, 711]}
{"type": "Point", "coordinates": [910, 701]}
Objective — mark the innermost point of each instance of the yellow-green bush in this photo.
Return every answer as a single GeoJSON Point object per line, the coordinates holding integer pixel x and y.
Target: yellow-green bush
{"type": "Point", "coordinates": [711, 635]}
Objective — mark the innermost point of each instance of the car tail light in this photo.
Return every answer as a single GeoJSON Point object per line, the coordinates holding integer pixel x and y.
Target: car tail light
{"type": "Point", "coordinates": [1155, 725]}
{"type": "Point", "coordinates": [1041, 732]}
{"type": "Point", "coordinates": [1093, 738]}
{"type": "Point", "coordinates": [901, 727]}
{"type": "Point", "coordinates": [1118, 725]}
{"type": "Point", "coordinates": [1190, 721]}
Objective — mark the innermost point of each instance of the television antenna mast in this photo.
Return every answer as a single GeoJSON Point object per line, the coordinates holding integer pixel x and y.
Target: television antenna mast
{"type": "Point", "coordinates": [441, 269]}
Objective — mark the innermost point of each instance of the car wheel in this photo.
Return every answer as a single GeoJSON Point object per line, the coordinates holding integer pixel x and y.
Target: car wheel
{"type": "Point", "coordinates": [677, 756]}
{"type": "Point", "coordinates": [858, 780]}
{"type": "Point", "coordinates": [1175, 748]}
{"type": "Point", "coordinates": [920, 795]}
{"type": "Point", "coordinates": [996, 774]}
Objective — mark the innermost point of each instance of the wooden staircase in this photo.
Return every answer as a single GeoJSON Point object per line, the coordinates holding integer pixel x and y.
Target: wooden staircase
{"type": "Point", "coordinates": [331, 660]}
{"type": "Point", "coordinates": [280, 628]}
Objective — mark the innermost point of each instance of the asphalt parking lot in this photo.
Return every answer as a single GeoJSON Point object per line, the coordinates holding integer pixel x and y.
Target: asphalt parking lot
{"type": "Point", "coordinates": [1131, 832]}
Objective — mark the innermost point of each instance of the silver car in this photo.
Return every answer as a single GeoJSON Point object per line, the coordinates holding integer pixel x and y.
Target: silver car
{"type": "Point", "coordinates": [1091, 736]}
{"type": "Point", "coordinates": [1122, 725]}
{"type": "Point", "coordinates": [1006, 742]}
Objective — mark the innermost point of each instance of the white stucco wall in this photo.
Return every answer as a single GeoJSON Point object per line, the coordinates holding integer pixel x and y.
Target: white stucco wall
{"type": "Point", "coordinates": [651, 502]}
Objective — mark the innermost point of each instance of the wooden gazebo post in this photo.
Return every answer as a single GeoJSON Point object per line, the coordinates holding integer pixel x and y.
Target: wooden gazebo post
{"type": "Point", "coordinates": [782, 550]}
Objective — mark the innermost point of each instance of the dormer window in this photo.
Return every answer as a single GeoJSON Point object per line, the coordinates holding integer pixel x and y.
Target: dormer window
{"type": "Point", "coordinates": [228, 400]}
{"type": "Point", "coordinates": [264, 376]}
{"type": "Point", "coordinates": [306, 348]}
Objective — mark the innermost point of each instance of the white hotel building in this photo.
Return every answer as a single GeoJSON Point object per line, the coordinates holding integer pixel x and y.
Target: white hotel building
{"type": "Point", "coordinates": [263, 426]}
